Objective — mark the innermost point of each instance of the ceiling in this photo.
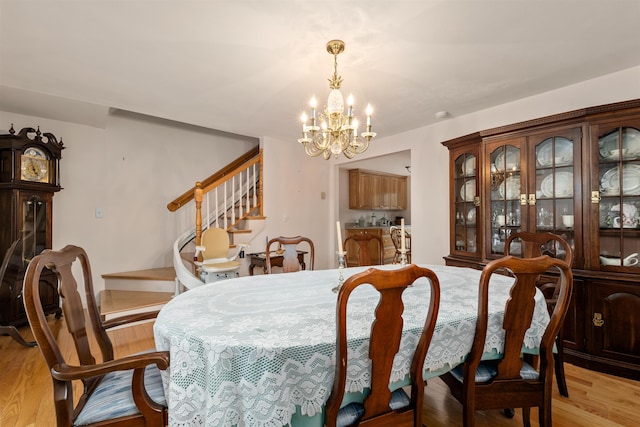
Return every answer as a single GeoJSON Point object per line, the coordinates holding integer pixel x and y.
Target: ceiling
{"type": "Point", "coordinates": [250, 67]}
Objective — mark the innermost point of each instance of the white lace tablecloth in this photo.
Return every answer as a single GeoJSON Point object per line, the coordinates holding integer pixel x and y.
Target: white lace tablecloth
{"type": "Point", "coordinates": [250, 351]}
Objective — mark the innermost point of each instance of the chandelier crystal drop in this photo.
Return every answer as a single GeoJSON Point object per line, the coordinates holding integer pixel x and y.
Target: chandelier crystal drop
{"type": "Point", "coordinates": [337, 133]}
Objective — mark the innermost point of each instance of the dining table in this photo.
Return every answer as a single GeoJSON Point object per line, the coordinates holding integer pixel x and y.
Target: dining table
{"type": "Point", "coordinates": [259, 351]}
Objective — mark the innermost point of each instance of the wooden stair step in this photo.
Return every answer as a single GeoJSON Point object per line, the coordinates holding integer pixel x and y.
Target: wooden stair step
{"type": "Point", "coordinates": [153, 279]}
{"type": "Point", "coordinates": [118, 302]}
{"type": "Point", "coordinates": [240, 231]}
{"type": "Point", "coordinates": [164, 273]}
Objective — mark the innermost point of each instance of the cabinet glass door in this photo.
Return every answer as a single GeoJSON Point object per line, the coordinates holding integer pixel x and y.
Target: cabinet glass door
{"type": "Point", "coordinates": [466, 203]}
{"type": "Point", "coordinates": [506, 186]}
{"type": "Point", "coordinates": [619, 181]}
{"type": "Point", "coordinates": [553, 205]}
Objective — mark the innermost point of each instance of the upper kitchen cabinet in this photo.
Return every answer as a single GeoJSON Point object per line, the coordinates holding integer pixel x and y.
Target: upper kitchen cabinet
{"type": "Point", "coordinates": [377, 191]}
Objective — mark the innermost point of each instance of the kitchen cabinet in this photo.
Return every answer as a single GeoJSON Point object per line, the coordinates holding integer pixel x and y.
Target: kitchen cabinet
{"type": "Point", "coordinates": [389, 250]}
{"type": "Point", "coordinates": [377, 191]}
{"type": "Point", "coordinates": [576, 174]}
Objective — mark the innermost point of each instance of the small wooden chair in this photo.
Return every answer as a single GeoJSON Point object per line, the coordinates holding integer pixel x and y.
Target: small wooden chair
{"type": "Point", "coordinates": [123, 392]}
{"type": "Point", "coordinates": [381, 407]}
{"type": "Point", "coordinates": [364, 242]}
{"type": "Point", "coordinates": [511, 382]}
{"type": "Point", "coordinates": [534, 245]}
{"type": "Point", "coordinates": [289, 248]}
{"type": "Point", "coordinates": [396, 236]}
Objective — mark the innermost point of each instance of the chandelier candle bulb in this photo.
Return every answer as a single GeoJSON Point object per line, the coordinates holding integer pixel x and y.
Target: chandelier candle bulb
{"type": "Point", "coordinates": [313, 109]}
{"type": "Point", "coordinates": [339, 237]}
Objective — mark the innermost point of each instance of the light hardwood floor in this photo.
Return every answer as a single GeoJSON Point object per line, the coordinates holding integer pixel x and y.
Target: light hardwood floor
{"type": "Point", "coordinates": [595, 399]}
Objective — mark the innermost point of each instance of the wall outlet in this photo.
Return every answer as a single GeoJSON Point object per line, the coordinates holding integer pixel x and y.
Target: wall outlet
{"type": "Point", "coordinates": [99, 213]}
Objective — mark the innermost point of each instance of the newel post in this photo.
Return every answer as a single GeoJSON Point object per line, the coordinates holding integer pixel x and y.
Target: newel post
{"type": "Point", "coordinates": [197, 195]}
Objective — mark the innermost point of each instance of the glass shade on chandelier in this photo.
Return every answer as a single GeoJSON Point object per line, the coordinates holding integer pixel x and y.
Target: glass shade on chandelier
{"type": "Point", "coordinates": [337, 132]}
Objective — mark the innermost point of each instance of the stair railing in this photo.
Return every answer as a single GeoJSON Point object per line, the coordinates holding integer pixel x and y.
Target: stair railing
{"type": "Point", "coordinates": [235, 191]}
{"type": "Point", "coordinates": [235, 196]}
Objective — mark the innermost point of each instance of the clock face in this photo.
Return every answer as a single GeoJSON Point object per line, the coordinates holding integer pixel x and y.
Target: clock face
{"type": "Point", "coordinates": [34, 165]}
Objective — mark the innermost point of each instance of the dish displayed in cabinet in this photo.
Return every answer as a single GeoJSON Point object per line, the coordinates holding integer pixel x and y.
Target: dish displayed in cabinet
{"type": "Point", "coordinates": [613, 217]}
{"type": "Point", "coordinates": [471, 216]}
{"type": "Point", "coordinates": [630, 142]}
{"type": "Point", "coordinates": [610, 181]}
{"type": "Point", "coordinates": [510, 188]}
{"type": "Point", "coordinates": [469, 166]}
{"type": "Point", "coordinates": [627, 262]}
{"type": "Point", "coordinates": [563, 153]}
{"type": "Point", "coordinates": [511, 162]}
{"type": "Point", "coordinates": [564, 185]}
{"type": "Point", "coordinates": [468, 191]}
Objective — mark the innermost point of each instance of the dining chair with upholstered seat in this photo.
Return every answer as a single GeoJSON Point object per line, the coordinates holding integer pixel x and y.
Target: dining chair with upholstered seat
{"type": "Point", "coordinates": [366, 243]}
{"type": "Point", "coordinates": [214, 250]}
{"type": "Point", "coordinates": [396, 237]}
{"type": "Point", "coordinates": [512, 381]}
{"type": "Point", "coordinates": [126, 391]}
{"type": "Point", "coordinates": [382, 407]}
{"type": "Point", "coordinates": [532, 245]}
{"type": "Point", "coordinates": [287, 248]}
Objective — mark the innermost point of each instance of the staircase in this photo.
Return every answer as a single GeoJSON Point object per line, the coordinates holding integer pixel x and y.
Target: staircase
{"type": "Point", "coordinates": [231, 199]}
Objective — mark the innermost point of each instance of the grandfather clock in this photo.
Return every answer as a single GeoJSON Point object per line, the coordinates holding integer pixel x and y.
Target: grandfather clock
{"type": "Point", "coordinates": [29, 177]}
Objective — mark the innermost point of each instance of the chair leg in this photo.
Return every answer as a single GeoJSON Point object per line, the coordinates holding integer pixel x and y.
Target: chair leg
{"type": "Point", "coordinates": [558, 359]}
{"type": "Point", "coordinates": [468, 413]}
{"type": "Point", "coordinates": [526, 419]}
{"type": "Point", "coordinates": [13, 333]}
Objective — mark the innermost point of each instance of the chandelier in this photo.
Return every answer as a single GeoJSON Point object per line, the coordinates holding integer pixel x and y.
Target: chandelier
{"type": "Point", "coordinates": [337, 133]}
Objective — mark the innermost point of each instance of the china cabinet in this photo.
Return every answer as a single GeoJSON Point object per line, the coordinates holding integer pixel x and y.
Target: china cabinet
{"type": "Point", "coordinates": [377, 191]}
{"type": "Point", "coordinates": [576, 174]}
{"type": "Point", "coordinates": [29, 177]}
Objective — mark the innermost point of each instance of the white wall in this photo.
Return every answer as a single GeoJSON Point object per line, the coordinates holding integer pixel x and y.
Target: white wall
{"type": "Point", "coordinates": [131, 169]}
{"type": "Point", "coordinates": [430, 161]}
{"type": "Point", "coordinates": [293, 183]}
{"type": "Point", "coordinates": [134, 167]}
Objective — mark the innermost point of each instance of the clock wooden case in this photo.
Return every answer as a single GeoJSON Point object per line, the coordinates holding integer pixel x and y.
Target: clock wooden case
{"type": "Point", "coordinates": [29, 177]}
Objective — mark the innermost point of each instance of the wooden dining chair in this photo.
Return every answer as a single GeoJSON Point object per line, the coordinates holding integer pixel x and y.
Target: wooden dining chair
{"type": "Point", "coordinates": [287, 248]}
{"type": "Point", "coordinates": [382, 407]}
{"type": "Point", "coordinates": [365, 244]}
{"type": "Point", "coordinates": [125, 392]}
{"type": "Point", "coordinates": [511, 381]}
{"type": "Point", "coordinates": [533, 245]}
{"type": "Point", "coordinates": [396, 236]}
